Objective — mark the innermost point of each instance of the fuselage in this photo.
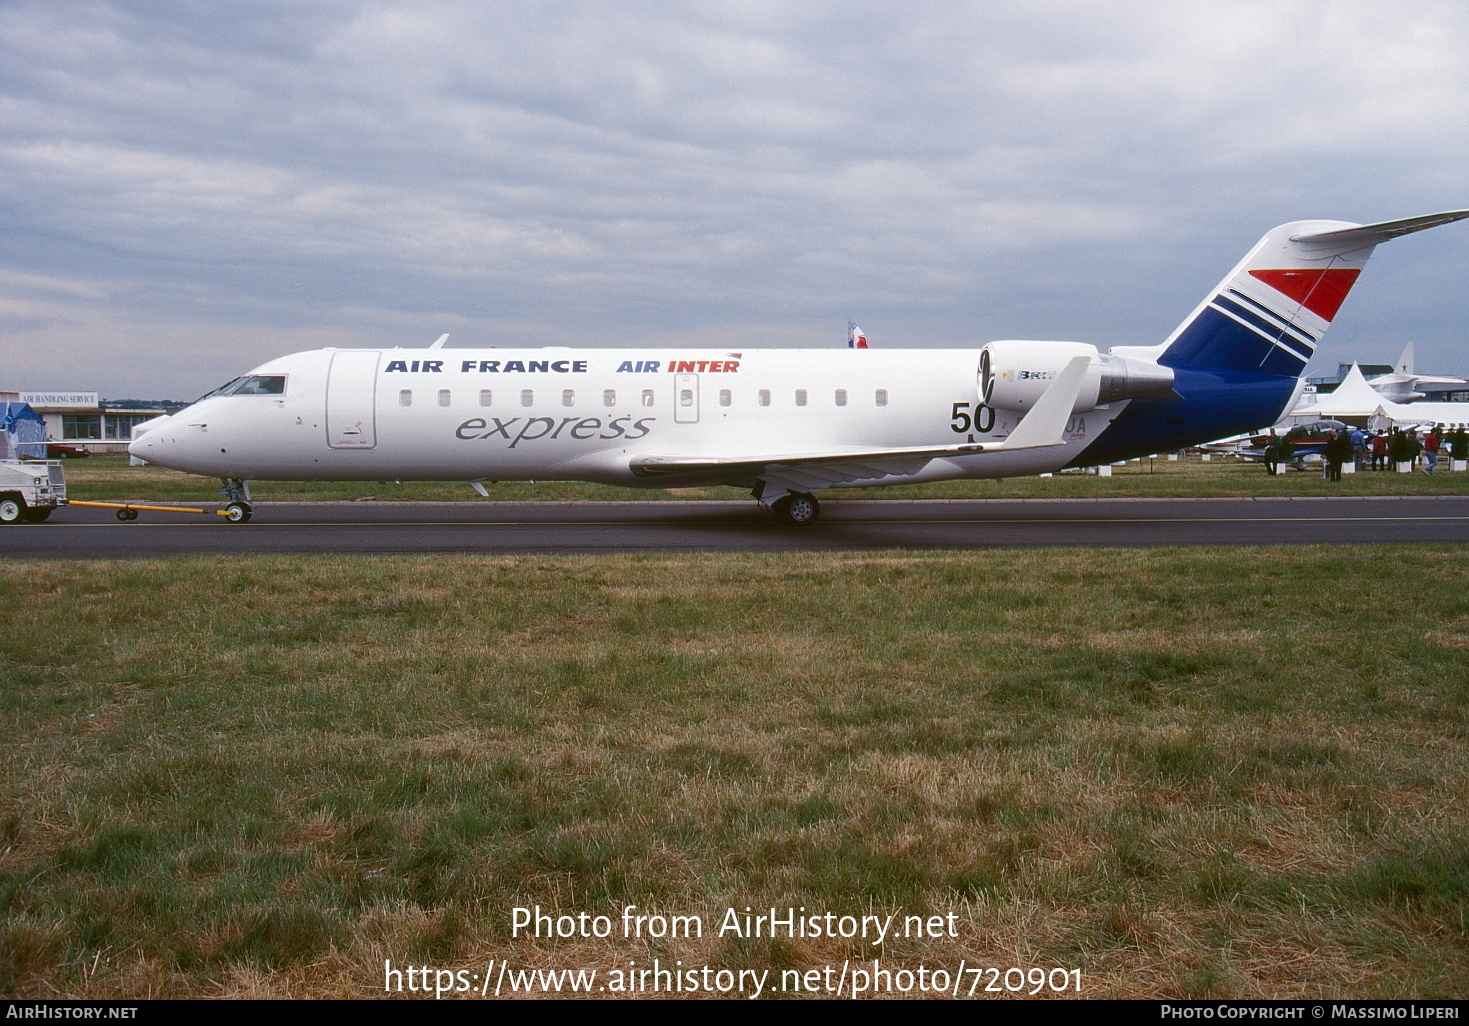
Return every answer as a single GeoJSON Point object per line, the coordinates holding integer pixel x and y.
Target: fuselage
{"type": "Point", "coordinates": [547, 414]}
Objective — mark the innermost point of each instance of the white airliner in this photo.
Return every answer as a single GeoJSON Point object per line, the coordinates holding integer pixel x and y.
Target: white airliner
{"type": "Point", "coordinates": [786, 424]}
{"type": "Point", "coordinates": [1355, 399]}
{"type": "Point", "coordinates": [1402, 385]}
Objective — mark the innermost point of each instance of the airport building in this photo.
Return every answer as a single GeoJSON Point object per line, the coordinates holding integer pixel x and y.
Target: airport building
{"type": "Point", "coordinates": [84, 420]}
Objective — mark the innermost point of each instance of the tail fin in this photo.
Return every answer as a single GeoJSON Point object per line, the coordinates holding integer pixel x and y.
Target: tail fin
{"type": "Point", "coordinates": [1269, 314]}
{"type": "Point", "coordinates": [1405, 361]}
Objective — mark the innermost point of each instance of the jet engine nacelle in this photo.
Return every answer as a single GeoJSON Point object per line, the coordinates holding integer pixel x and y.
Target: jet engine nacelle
{"type": "Point", "coordinates": [1014, 374]}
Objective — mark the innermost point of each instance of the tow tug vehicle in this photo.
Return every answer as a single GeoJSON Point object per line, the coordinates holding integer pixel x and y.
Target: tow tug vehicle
{"type": "Point", "coordinates": [31, 489]}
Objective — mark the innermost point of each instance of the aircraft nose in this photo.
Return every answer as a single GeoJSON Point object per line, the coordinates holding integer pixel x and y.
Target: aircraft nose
{"type": "Point", "coordinates": [147, 436]}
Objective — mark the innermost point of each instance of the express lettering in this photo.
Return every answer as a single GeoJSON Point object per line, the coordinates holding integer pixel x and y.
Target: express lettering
{"type": "Point", "coordinates": [535, 428]}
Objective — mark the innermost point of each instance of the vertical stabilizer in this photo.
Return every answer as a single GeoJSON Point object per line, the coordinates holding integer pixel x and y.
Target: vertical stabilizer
{"type": "Point", "coordinates": [1270, 313]}
{"type": "Point", "coordinates": [1405, 361]}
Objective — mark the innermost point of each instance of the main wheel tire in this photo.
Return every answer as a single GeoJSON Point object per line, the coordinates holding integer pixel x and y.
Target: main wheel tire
{"type": "Point", "coordinates": [237, 512]}
{"type": "Point", "coordinates": [797, 509]}
{"type": "Point", "coordinates": [12, 510]}
{"type": "Point", "coordinates": [126, 515]}
{"type": "Point", "coordinates": [36, 516]}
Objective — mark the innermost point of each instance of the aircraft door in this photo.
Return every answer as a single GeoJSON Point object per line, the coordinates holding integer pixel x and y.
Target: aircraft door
{"type": "Point", "coordinates": [351, 386]}
{"type": "Point", "coordinates": [686, 399]}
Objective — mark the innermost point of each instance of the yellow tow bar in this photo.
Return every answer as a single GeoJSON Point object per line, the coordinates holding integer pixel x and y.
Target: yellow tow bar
{"type": "Point", "coordinates": [235, 512]}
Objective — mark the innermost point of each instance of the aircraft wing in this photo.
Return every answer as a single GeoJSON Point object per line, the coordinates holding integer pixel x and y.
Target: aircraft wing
{"type": "Point", "coordinates": [1043, 426]}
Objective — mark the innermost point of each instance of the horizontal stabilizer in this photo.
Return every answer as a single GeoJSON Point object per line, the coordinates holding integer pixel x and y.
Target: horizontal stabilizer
{"type": "Point", "coordinates": [1372, 234]}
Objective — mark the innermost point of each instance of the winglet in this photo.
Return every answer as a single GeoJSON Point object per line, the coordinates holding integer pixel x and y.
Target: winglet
{"type": "Point", "coordinates": [1045, 424]}
{"type": "Point", "coordinates": [441, 340]}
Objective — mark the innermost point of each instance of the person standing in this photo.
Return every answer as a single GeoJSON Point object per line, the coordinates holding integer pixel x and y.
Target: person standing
{"type": "Point", "coordinates": [1338, 450]}
{"type": "Point", "coordinates": [1379, 450]}
{"type": "Point", "coordinates": [1430, 450]}
{"type": "Point", "coordinates": [1272, 454]}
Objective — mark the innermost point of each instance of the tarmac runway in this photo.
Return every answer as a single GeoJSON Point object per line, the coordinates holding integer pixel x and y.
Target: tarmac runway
{"type": "Point", "coordinates": [664, 526]}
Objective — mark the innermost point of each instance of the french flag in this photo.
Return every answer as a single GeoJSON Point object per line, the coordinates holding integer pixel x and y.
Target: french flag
{"type": "Point", "coordinates": [855, 338]}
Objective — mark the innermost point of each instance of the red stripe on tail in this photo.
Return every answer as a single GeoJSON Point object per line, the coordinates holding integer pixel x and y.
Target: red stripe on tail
{"type": "Point", "coordinates": [1321, 292]}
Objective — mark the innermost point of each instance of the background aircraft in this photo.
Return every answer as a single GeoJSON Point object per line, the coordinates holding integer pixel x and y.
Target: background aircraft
{"type": "Point", "coordinates": [1355, 400]}
{"type": "Point", "coordinates": [1307, 443]}
{"type": "Point", "coordinates": [1403, 384]}
{"type": "Point", "coordinates": [787, 424]}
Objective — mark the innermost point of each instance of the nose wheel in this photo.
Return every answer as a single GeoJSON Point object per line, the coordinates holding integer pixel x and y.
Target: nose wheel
{"type": "Point", "coordinates": [796, 509]}
{"type": "Point", "coordinates": [237, 512]}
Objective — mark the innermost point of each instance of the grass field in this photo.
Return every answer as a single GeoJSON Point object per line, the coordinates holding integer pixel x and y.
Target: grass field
{"type": "Point", "coordinates": [1195, 773]}
{"type": "Point", "coordinates": [111, 478]}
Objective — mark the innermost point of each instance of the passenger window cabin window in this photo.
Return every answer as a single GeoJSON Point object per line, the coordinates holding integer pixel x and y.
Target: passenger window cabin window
{"type": "Point", "coordinates": [724, 397]}
{"type": "Point", "coordinates": [765, 397]}
{"type": "Point", "coordinates": [881, 397]}
{"type": "Point", "coordinates": [800, 397]}
{"type": "Point", "coordinates": [485, 395]}
{"type": "Point", "coordinates": [841, 397]}
{"type": "Point", "coordinates": [568, 397]}
{"type": "Point", "coordinates": [686, 397]}
{"type": "Point", "coordinates": [609, 397]}
{"type": "Point", "coordinates": [443, 397]}
{"type": "Point", "coordinates": [405, 397]}
{"type": "Point", "coordinates": [527, 397]}
{"type": "Point", "coordinates": [647, 397]}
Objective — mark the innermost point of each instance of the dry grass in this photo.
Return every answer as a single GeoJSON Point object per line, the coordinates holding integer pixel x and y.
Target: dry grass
{"type": "Point", "coordinates": [1182, 772]}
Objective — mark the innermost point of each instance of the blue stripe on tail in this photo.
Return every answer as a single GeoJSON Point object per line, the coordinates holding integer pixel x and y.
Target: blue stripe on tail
{"type": "Point", "coordinates": [1216, 341]}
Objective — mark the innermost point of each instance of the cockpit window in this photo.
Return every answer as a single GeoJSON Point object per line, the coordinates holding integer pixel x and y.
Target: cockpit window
{"type": "Point", "coordinates": [225, 389]}
{"type": "Point", "coordinates": [258, 384]}
{"type": "Point", "coordinates": [262, 384]}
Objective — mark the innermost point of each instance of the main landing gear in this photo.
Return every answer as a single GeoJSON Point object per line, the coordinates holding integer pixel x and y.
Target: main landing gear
{"type": "Point", "coordinates": [796, 509]}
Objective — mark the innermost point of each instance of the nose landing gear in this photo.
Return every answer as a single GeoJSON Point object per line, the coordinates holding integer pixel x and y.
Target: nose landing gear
{"type": "Point", "coordinates": [237, 493]}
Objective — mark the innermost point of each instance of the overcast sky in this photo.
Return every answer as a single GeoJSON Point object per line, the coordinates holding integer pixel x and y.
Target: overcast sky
{"type": "Point", "coordinates": [188, 189]}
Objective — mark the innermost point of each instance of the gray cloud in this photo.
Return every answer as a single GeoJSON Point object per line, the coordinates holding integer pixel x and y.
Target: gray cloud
{"type": "Point", "coordinates": [188, 189]}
